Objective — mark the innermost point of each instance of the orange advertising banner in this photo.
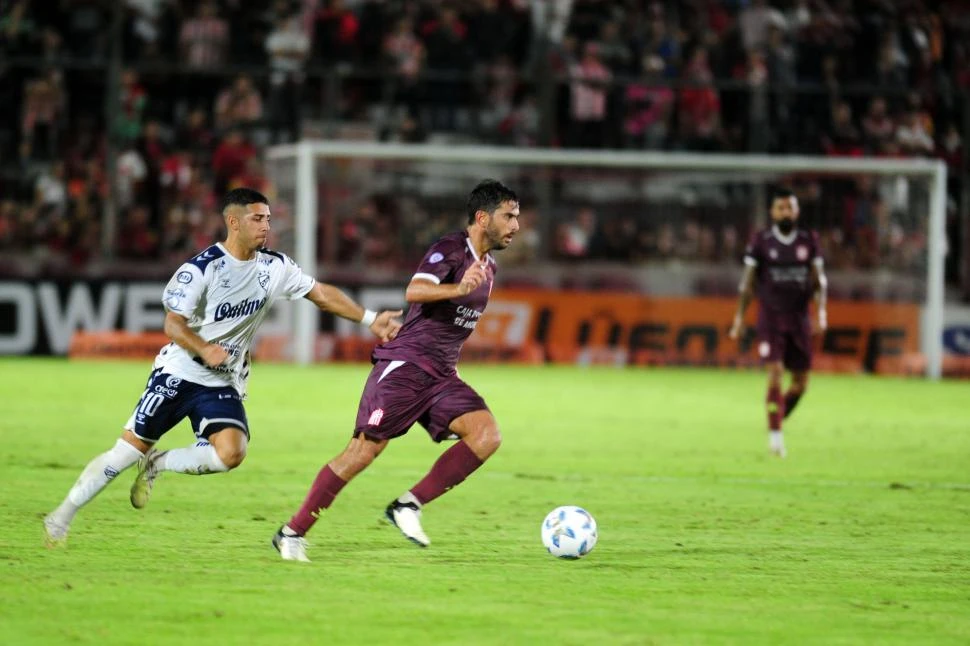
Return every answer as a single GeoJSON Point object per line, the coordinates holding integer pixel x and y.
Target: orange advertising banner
{"type": "Point", "coordinates": [628, 328]}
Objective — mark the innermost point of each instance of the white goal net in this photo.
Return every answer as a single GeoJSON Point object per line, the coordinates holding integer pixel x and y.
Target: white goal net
{"type": "Point", "coordinates": [657, 225]}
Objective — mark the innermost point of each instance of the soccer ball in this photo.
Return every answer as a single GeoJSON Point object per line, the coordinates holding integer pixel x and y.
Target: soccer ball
{"type": "Point", "coordinates": [569, 532]}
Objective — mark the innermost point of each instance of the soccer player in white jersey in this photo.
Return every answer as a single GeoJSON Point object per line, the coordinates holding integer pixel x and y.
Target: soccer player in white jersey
{"type": "Point", "coordinates": [214, 304]}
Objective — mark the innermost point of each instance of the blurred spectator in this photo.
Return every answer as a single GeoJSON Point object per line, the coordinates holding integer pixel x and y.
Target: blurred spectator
{"type": "Point", "coordinates": [573, 238]}
{"type": "Point", "coordinates": [230, 159]}
{"type": "Point", "coordinates": [589, 81]}
{"type": "Point", "coordinates": [133, 99]}
{"type": "Point", "coordinates": [911, 135]}
{"type": "Point", "coordinates": [288, 47]}
{"type": "Point", "coordinates": [842, 138]}
{"type": "Point", "coordinates": [136, 240]}
{"type": "Point", "coordinates": [877, 125]}
{"type": "Point", "coordinates": [405, 54]}
{"type": "Point", "coordinates": [648, 107]}
{"type": "Point", "coordinates": [335, 30]}
{"type": "Point", "coordinates": [755, 21]}
{"type": "Point", "coordinates": [700, 106]}
{"type": "Point", "coordinates": [42, 115]}
{"type": "Point", "coordinates": [204, 39]}
{"type": "Point", "coordinates": [238, 105]}
{"type": "Point", "coordinates": [51, 189]}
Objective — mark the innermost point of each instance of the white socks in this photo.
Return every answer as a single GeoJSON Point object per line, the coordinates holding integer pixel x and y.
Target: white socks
{"type": "Point", "coordinates": [197, 460]}
{"type": "Point", "coordinates": [407, 497]}
{"type": "Point", "coordinates": [95, 477]}
{"type": "Point", "coordinates": [776, 443]}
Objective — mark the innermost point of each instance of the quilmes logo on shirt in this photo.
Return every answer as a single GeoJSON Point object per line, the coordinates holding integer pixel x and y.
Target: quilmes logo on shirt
{"type": "Point", "coordinates": [244, 308]}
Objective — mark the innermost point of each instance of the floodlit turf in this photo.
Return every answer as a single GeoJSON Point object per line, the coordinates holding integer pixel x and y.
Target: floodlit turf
{"type": "Point", "coordinates": [862, 536]}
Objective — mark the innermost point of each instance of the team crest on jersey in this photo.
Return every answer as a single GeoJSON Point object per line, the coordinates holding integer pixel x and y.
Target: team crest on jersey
{"type": "Point", "coordinates": [224, 283]}
{"type": "Point", "coordinates": [263, 279]}
{"type": "Point", "coordinates": [773, 254]}
{"type": "Point", "coordinates": [184, 277]}
{"type": "Point", "coordinates": [801, 252]}
{"type": "Point", "coordinates": [375, 417]}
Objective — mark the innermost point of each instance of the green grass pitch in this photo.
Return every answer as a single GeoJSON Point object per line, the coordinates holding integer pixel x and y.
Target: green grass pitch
{"type": "Point", "coordinates": [862, 536]}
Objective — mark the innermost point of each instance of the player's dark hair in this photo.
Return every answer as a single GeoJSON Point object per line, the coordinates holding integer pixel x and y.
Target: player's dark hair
{"type": "Point", "coordinates": [781, 193]}
{"type": "Point", "coordinates": [242, 197]}
{"type": "Point", "coordinates": [488, 196]}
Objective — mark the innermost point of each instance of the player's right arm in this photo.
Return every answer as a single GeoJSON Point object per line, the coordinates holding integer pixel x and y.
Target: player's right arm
{"type": "Point", "coordinates": [424, 290]}
{"type": "Point", "coordinates": [752, 254]}
{"type": "Point", "coordinates": [745, 292]}
{"type": "Point", "coordinates": [177, 329]}
{"type": "Point", "coordinates": [183, 295]}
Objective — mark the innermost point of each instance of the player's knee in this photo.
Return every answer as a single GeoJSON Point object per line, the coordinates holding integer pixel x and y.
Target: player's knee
{"type": "Point", "coordinates": [232, 456]}
{"type": "Point", "coordinates": [489, 438]}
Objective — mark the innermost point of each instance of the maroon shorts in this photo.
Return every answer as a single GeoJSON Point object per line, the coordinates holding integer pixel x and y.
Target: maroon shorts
{"type": "Point", "coordinates": [793, 347]}
{"type": "Point", "coordinates": [398, 394]}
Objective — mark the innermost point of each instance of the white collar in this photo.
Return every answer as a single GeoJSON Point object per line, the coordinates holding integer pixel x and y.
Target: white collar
{"type": "Point", "coordinates": [471, 247]}
{"type": "Point", "coordinates": [781, 237]}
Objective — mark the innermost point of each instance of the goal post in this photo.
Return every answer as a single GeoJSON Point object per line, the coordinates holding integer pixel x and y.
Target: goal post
{"type": "Point", "coordinates": [299, 167]}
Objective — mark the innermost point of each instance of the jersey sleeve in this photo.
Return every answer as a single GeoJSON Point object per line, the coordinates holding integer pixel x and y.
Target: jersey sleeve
{"type": "Point", "coordinates": [440, 262]}
{"type": "Point", "coordinates": [752, 253]}
{"type": "Point", "coordinates": [295, 283]}
{"type": "Point", "coordinates": [184, 290]}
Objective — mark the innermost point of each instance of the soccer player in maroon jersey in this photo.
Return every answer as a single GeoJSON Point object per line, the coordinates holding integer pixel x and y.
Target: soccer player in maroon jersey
{"type": "Point", "coordinates": [786, 263]}
{"type": "Point", "coordinates": [414, 378]}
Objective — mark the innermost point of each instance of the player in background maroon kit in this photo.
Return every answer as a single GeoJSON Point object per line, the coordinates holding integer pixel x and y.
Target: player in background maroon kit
{"type": "Point", "coordinates": [786, 264]}
{"type": "Point", "coordinates": [415, 379]}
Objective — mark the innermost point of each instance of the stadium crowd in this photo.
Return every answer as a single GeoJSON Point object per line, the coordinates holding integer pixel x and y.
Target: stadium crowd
{"type": "Point", "coordinates": [206, 85]}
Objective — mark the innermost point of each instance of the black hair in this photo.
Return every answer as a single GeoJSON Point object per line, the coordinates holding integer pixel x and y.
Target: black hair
{"type": "Point", "coordinates": [781, 193]}
{"type": "Point", "coordinates": [488, 196]}
{"type": "Point", "coordinates": [242, 197]}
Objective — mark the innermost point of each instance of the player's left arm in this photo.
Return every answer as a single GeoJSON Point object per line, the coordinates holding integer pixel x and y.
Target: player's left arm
{"type": "Point", "coordinates": [328, 298]}
{"type": "Point", "coordinates": [820, 285]}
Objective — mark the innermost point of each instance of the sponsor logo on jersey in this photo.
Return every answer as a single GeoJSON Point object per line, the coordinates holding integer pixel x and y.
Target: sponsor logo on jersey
{"type": "Point", "coordinates": [801, 252]}
{"type": "Point", "coordinates": [173, 298]}
{"type": "Point", "coordinates": [376, 417]}
{"type": "Point", "coordinates": [166, 392]}
{"type": "Point", "coordinates": [247, 306]}
{"type": "Point", "coordinates": [436, 257]}
{"type": "Point", "coordinates": [184, 277]}
{"type": "Point", "coordinates": [263, 279]}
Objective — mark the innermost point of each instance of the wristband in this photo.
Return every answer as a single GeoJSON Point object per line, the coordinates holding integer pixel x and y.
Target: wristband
{"type": "Point", "coordinates": [368, 318]}
{"type": "Point", "coordinates": [823, 318]}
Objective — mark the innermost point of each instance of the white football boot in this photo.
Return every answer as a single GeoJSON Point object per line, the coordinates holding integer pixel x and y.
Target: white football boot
{"type": "Point", "coordinates": [406, 516]}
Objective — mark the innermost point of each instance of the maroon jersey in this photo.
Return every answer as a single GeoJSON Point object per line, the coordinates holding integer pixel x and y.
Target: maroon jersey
{"type": "Point", "coordinates": [784, 277]}
{"type": "Point", "coordinates": [433, 333]}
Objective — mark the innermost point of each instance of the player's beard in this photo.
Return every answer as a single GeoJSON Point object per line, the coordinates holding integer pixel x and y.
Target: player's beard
{"type": "Point", "coordinates": [786, 225]}
{"type": "Point", "coordinates": [495, 239]}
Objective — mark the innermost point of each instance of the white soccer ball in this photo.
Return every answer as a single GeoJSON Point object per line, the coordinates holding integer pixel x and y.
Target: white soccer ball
{"type": "Point", "coordinates": [569, 532]}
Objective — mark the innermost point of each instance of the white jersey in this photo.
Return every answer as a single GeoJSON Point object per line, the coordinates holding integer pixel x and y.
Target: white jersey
{"type": "Point", "coordinates": [225, 300]}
